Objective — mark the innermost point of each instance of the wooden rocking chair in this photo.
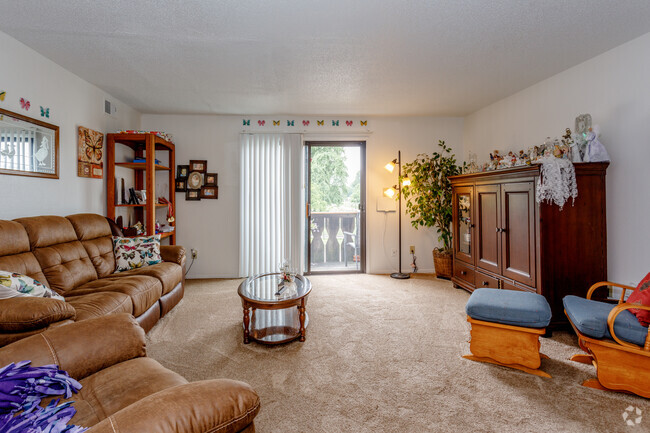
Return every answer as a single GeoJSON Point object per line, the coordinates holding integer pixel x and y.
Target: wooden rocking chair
{"type": "Point", "coordinates": [620, 354]}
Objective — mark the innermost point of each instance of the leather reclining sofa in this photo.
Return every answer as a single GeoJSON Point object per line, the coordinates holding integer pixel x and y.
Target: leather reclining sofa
{"type": "Point", "coordinates": [124, 391]}
{"type": "Point", "coordinates": [74, 256]}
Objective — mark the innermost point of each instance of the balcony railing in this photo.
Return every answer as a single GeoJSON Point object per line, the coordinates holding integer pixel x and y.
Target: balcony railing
{"type": "Point", "coordinates": [335, 241]}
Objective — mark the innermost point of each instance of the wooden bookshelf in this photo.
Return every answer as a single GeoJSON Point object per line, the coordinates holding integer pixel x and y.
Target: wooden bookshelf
{"type": "Point", "coordinates": [144, 177]}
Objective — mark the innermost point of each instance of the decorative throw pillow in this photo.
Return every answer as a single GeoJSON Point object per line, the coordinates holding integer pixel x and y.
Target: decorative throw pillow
{"type": "Point", "coordinates": [133, 253]}
{"type": "Point", "coordinates": [641, 296]}
{"type": "Point", "coordinates": [13, 285]}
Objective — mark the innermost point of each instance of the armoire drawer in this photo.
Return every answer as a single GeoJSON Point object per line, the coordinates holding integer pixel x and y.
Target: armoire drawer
{"type": "Point", "coordinates": [463, 272]}
{"type": "Point", "coordinates": [485, 281]}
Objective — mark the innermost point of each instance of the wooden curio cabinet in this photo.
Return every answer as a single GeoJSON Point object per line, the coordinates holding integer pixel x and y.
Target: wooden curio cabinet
{"type": "Point", "coordinates": [147, 146]}
{"type": "Point", "coordinates": [504, 239]}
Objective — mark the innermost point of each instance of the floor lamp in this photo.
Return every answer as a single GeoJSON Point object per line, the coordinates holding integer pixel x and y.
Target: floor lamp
{"type": "Point", "coordinates": [390, 192]}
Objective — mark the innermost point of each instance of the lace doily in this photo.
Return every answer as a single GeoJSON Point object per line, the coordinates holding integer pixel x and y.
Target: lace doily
{"type": "Point", "coordinates": [557, 182]}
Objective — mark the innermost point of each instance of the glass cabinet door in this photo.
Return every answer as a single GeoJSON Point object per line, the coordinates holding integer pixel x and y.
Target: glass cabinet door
{"type": "Point", "coordinates": [463, 224]}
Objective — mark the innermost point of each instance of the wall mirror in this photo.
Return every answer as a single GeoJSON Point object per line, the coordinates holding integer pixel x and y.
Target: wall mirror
{"type": "Point", "coordinates": [28, 147]}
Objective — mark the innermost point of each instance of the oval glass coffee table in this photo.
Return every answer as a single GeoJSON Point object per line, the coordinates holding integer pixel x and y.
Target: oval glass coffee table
{"type": "Point", "coordinates": [273, 318]}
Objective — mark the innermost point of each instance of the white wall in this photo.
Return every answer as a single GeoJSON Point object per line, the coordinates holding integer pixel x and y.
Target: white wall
{"type": "Point", "coordinates": [212, 226]}
{"type": "Point", "coordinates": [73, 102]}
{"type": "Point", "coordinates": [614, 89]}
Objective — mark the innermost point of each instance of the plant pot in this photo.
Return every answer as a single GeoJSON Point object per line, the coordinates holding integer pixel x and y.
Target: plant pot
{"type": "Point", "coordinates": [443, 262]}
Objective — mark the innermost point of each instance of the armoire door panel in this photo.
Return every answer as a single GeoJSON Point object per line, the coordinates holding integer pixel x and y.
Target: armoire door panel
{"type": "Point", "coordinates": [488, 238]}
{"type": "Point", "coordinates": [518, 234]}
{"type": "Point", "coordinates": [463, 224]}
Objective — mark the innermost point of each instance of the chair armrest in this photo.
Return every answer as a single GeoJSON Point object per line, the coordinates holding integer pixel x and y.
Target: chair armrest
{"type": "Point", "coordinates": [612, 318]}
{"type": "Point", "coordinates": [81, 348]}
{"type": "Point", "coordinates": [27, 313]}
{"type": "Point", "coordinates": [593, 288]}
{"type": "Point", "coordinates": [173, 253]}
{"type": "Point", "coordinates": [218, 405]}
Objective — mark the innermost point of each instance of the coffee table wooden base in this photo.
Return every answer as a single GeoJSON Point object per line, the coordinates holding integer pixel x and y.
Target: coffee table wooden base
{"type": "Point", "coordinates": [274, 326]}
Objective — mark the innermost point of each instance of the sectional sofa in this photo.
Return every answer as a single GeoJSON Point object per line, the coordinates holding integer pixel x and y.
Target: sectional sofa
{"type": "Point", "coordinates": [74, 256]}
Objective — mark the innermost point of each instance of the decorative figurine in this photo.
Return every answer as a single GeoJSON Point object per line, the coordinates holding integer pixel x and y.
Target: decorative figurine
{"type": "Point", "coordinates": [596, 152]}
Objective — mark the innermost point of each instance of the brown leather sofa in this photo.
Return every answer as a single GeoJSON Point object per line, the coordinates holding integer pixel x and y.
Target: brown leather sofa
{"type": "Point", "coordinates": [74, 256]}
{"type": "Point", "coordinates": [125, 391]}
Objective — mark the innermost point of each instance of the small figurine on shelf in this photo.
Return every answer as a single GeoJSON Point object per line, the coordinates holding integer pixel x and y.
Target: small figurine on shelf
{"type": "Point", "coordinates": [523, 158]}
{"type": "Point", "coordinates": [495, 159]}
{"type": "Point", "coordinates": [596, 152]}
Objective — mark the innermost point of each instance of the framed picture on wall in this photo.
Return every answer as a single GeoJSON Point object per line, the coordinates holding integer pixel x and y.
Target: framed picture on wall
{"type": "Point", "coordinates": [210, 179]}
{"type": "Point", "coordinates": [193, 195]}
{"type": "Point", "coordinates": [200, 165]}
{"type": "Point", "coordinates": [182, 171]}
{"type": "Point", "coordinates": [210, 192]}
{"type": "Point", "coordinates": [181, 185]}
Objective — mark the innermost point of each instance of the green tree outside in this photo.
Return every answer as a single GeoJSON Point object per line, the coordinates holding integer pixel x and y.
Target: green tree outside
{"type": "Point", "coordinates": [329, 175]}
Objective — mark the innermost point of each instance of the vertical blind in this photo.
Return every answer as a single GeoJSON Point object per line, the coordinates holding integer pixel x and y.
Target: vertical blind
{"type": "Point", "coordinates": [271, 202]}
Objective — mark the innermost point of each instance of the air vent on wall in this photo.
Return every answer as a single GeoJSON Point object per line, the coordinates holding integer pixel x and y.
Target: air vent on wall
{"type": "Point", "coordinates": [109, 107]}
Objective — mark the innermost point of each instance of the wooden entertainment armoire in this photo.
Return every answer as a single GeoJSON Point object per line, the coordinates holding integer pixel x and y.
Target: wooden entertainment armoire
{"type": "Point", "coordinates": [504, 239]}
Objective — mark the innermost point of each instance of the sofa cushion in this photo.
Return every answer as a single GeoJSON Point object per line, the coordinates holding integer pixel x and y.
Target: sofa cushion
{"type": "Point", "coordinates": [100, 304]}
{"type": "Point", "coordinates": [95, 235]}
{"type": "Point", "coordinates": [62, 257]}
{"type": "Point", "coordinates": [169, 274]}
{"type": "Point", "coordinates": [15, 254]}
{"type": "Point", "coordinates": [13, 285]}
{"type": "Point", "coordinates": [143, 290]}
{"type": "Point", "coordinates": [509, 307]}
{"type": "Point", "coordinates": [133, 253]}
{"type": "Point", "coordinates": [641, 296]}
{"type": "Point", "coordinates": [119, 386]}
{"type": "Point", "coordinates": [590, 318]}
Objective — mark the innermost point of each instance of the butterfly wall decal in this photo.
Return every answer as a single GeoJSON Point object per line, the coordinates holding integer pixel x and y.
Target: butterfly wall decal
{"type": "Point", "coordinates": [45, 112]}
{"type": "Point", "coordinates": [24, 103]}
{"type": "Point", "coordinates": [93, 146]}
{"type": "Point", "coordinates": [320, 122]}
{"type": "Point", "coordinates": [247, 122]}
{"type": "Point", "coordinates": [305, 123]}
{"type": "Point", "coordinates": [348, 122]}
{"type": "Point", "coordinates": [364, 123]}
{"type": "Point", "coordinates": [2, 95]}
{"type": "Point", "coordinates": [335, 123]}
{"type": "Point", "coordinates": [276, 123]}
{"type": "Point", "coordinates": [261, 122]}
{"type": "Point", "coordinates": [289, 122]}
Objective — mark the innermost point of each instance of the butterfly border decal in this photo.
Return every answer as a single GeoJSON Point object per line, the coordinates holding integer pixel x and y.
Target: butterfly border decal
{"type": "Point", "coordinates": [24, 104]}
{"type": "Point", "coordinates": [247, 122]}
{"type": "Point", "coordinates": [2, 95]}
{"type": "Point", "coordinates": [45, 112]}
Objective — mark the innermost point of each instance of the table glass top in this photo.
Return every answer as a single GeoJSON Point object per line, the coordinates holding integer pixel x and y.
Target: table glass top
{"type": "Point", "coordinates": [266, 288]}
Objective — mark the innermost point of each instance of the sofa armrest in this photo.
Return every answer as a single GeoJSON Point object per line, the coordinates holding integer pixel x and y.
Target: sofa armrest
{"type": "Point", "coordinates": [173, 253]}
{"type": "Point", "coordinates": [216, 406]}
{"type": "Point", "coordinates": [81, 348]}
{"type": "Point", "coordinates": [27, 313]}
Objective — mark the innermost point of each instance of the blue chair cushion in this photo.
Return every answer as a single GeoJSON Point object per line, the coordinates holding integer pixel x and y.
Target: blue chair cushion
{"type": "Point", "coordinates": [590, 317]}
{"type": "Point", "coordinates": [509, 307]}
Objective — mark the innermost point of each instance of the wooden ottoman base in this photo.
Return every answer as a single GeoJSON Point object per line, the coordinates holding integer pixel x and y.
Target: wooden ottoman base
{"type": "Point", "coordinates": [506, 345]}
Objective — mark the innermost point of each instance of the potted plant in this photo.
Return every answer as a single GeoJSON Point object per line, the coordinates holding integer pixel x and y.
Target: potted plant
{"type": "Point", "coordinates": [428, 200]}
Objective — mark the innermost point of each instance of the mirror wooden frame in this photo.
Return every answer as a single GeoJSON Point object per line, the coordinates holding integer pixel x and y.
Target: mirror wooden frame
{"type": "Point", "coordinates": [55, 132]}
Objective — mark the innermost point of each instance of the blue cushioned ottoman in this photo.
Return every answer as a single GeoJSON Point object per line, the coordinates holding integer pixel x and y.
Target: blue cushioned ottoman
{"type": "Point", "coordinates": [506, 326]}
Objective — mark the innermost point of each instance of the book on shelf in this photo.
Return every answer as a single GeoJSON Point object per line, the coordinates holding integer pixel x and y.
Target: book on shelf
{"type": "Point", "coordinates": [139, 160]}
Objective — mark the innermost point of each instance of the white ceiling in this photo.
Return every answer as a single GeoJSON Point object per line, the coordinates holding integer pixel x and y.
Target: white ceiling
{"type": "Point", "coordinates": [354, 57]}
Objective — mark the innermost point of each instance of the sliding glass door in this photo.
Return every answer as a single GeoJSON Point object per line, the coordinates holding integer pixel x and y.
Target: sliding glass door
{"type": "Point", "coordinates": [336, 204]}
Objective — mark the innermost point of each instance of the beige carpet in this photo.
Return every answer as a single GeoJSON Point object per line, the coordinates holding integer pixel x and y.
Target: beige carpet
{"type": "Point", "coordinates": [382, 356]}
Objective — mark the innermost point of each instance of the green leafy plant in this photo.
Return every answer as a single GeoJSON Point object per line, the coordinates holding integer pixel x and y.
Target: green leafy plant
{"type": "Point", "coordinates": [428, 197]}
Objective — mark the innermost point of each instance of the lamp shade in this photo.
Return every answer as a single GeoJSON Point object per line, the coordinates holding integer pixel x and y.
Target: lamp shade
{"type": "Point", "coordinates": [390, 192]}
{"type": "Point", "coordinates": [406, 181]}
{"type": "Point", "coordinates": [391, 165]}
